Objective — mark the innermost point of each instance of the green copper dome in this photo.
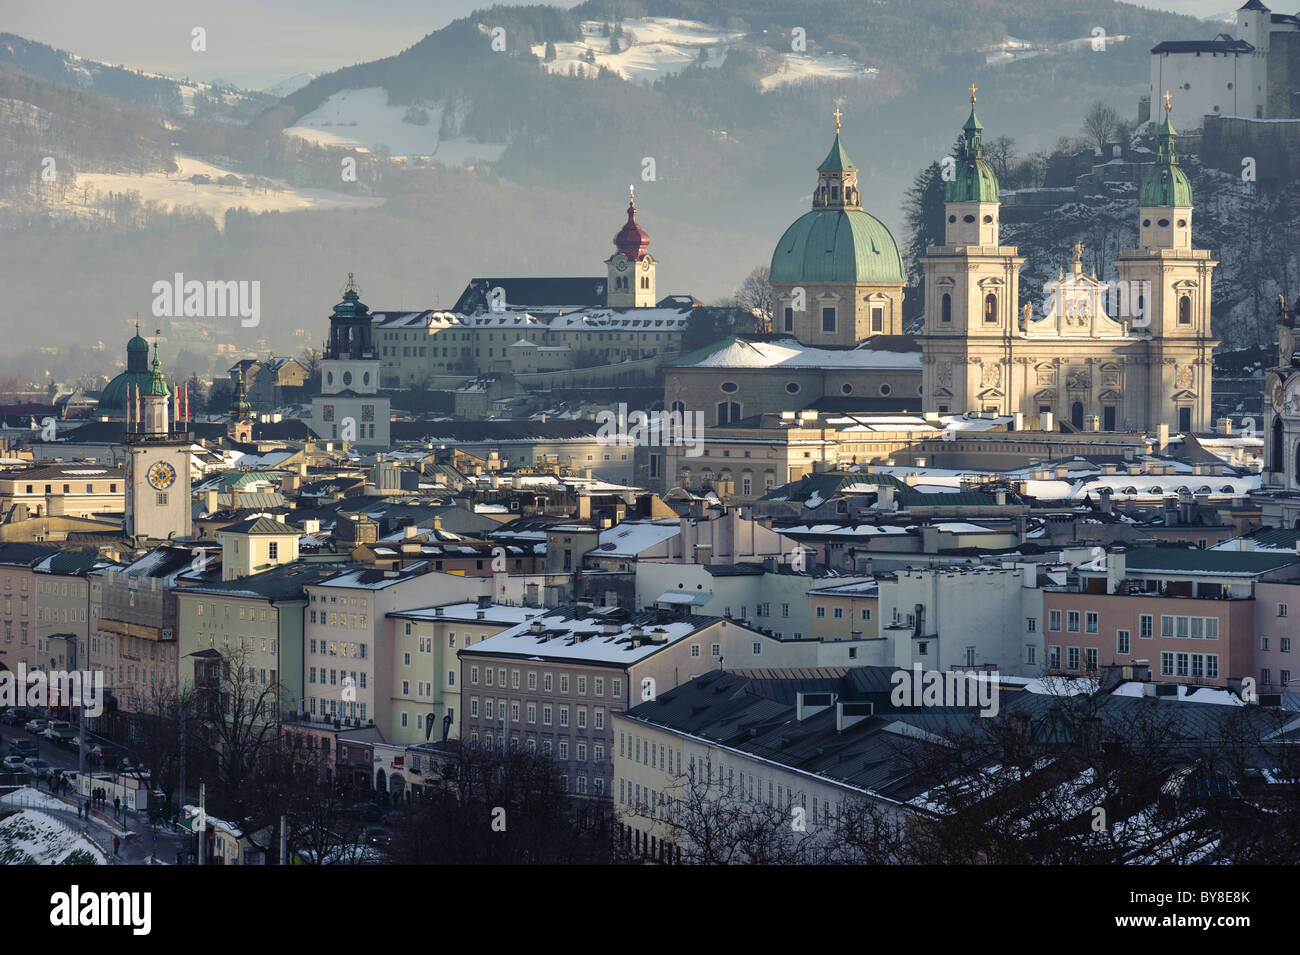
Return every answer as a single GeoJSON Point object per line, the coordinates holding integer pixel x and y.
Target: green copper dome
{"type": "Point", "coordinates": [1166, 184]}
{"type": "Point", "coordinates": [113, 399]}
{"type": "Point", "coordinates": [837, 245]}
{"type": "Point", "coordinates": [975, 180]}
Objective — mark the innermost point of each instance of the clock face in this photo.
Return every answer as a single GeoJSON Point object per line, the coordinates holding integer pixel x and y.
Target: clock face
{"type": "Point", "coordinates": [621, 265]}
{"type": "Point", "coordinates": [645, 266]}
{"type": "Point", "coordinates": [161, 475]}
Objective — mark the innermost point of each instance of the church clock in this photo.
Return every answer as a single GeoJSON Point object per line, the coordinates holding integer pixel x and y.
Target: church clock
{"type": "Point", "coordinates": [161, 475]}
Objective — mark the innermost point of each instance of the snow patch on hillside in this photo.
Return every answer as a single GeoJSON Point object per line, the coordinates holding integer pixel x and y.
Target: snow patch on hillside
{"type": "Point", "coordinates": [211, 197]}
{"type": "Point", "coordinates": [364, 120]}
{"type": "Point", "coordinates": [652, 48]}
{"type": "Point", "coordinates": [655, 47]}
{"type": "Point", "coordinates": [798, 67]}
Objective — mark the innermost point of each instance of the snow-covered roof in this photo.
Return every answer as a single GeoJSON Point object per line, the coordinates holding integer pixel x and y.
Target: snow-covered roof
{"type": "Point", "coordinates": [631, 538]}
{"type": "Point", "coordinates": [788, 353]}
{"type": "Point", "coordinates": [559, 636]}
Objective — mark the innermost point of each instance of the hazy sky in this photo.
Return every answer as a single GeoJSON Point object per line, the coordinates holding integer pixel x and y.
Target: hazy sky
{"type": "Point", "coordinates": [255, 43]}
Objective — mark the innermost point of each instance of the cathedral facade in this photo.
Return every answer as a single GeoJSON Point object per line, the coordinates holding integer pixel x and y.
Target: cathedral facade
{"type": "Point", "coordinates": [1279, 497]}
{"type": "Point", "coordinates": [1126, 356]}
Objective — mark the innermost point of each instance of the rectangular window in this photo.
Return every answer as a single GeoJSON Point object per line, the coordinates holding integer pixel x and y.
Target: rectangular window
{"type": "Point", "coordinates": [546, 714]}
{"type": "Point", "coordinates": [1121, 641]}
{"type": "Point", "coordinates": [564, 716]}
{"type": "Point", "coordinates": [828, 319]}
{"type": "Point", "coordinates": [1090, 622]}
{"type": "Point", "coordinates": [1054, 658]}
{"type": "Point", "coordinates": [877, 319]}
{"type": "Point", "coordinates": [1072, 621]}
{"type": "Point", "coordinates": [1031, 624]}
{"type": "Point", "coordinates": [1054, 620]}
{"type": "Point", "coordinates": [1072, 658]}
{"type": "Point", "coordinates": [1090, 659]}
{"type": "Point", "coordinates": [1145, 626]}
{"type": "Point", "coordinates": [1166, 663]}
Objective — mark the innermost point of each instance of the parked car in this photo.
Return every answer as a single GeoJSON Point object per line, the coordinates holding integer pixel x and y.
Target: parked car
{"type": "Point", "coordinates": [376, 836]}
{"type": "Point", "coordinates": [36, 725]}
{"type": "Point", "coordinates": [14, 764]}
{"type": "Point", "coordinates": [365, 812]}
{"type": "Point", "coordinates": [23, 747]}
{"type": "Point", "coordinates": [56, 727]}
{"type": "Point", "coordinates": [38, 767]}
{"type": "Point", "coordinates": [15, 716]}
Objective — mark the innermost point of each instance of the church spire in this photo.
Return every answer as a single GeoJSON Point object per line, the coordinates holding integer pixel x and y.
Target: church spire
{"type": "Point", "coordinates": [632, 240]}
{"type": "Point", "coordinates": [837, 177]}
{"type": "Point", "coordinates": [973, 180]}
{"type": "Point", "coordinates": [1166, 185]}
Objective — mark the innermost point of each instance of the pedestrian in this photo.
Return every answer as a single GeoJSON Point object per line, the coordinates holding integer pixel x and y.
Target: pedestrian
{"type": "Point", "coordinates": [117, 806]}
{"type": "Point", "coordinates": [116, 845]}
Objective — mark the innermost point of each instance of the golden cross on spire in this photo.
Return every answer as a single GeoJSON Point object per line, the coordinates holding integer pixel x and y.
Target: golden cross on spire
{"type": "Point", "coordinates": [631, 193]}
{"type": "Point", "coordinates": [973, 89]}
{"type": "Point", "coordinates": [837, 115]}
{"type": "Point", "coordinates": [137, 323]}
{"type": "Point", "coordinates": [1168, 101]}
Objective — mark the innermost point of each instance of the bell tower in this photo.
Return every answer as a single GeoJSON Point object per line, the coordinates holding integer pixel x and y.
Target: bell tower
{"type": "Point", "coordinates": [1172, 300]}
{"type": "Point", "coordinates": [157, 460]}
{"type": "Point", "coordinates": [631, 268]}
{"type": "Point", "coordinates": [972, 286]}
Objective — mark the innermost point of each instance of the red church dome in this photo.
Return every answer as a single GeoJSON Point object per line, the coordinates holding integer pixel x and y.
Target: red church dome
{"type": "Point", "coordinates": [632, 240]}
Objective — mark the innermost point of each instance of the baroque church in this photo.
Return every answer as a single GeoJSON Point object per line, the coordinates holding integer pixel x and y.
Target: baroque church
{"type": "Point", "coordinates": [1099, 361]}
{"type": "Point", "coordinates": [1076, 361]}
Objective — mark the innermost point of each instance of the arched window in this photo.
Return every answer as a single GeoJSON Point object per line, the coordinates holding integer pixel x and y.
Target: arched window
{"type": "Point", "coordinates": [1276, 466]}
{"type": "Point", "coordinates": [945, 308]}
{"type": "Point", "coordinates": [1076, 415]}
{"type": "Point", "coordinates": [991, 308]}
{"type": "Point", "coordinates": [1185, 310]}
{"type": "Point", "coordinates": [728, 411]}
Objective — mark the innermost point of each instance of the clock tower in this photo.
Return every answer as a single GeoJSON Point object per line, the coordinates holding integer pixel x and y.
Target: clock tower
{"type": "Point", "coordinates": [349, 407]}
{"type": "Point", "coordinates": [631, 268]}
{"type": "Point", "coordinates": [157, 460]}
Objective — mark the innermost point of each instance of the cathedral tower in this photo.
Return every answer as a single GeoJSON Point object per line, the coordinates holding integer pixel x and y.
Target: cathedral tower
{"type": "Point", "coordinates": [972, 286]}
{"type": "Point", "coordinates": [1171, 298]}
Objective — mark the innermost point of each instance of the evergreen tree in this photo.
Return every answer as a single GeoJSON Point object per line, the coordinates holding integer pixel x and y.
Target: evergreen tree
{"type": "Point", "coordinates": [550, 54]}
{"type": "Point", "coordinates": [923, 211]}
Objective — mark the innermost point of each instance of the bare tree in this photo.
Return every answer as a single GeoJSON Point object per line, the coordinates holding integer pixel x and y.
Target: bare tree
{"type": "Point", "coordinates": [755, 294]}
{"type": "Point", "coordinates": [492, 806]}
{"type": "Point", "coordinates": [1000, 152]}
{"type": "Point", "coordinates": [240, 709]}
{"type": "Point", "coordinates": [1100, 123]}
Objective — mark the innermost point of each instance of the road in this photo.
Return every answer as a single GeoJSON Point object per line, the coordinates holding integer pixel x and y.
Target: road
{"type": "Point", "coordinates": [135, 831]}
